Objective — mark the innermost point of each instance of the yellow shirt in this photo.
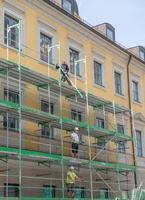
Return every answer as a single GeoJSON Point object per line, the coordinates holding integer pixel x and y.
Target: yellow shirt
{"type": "Point", "coordinates": [71, 177]}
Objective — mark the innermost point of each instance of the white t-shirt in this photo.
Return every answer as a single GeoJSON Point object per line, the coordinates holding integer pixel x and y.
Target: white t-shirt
{"type": "Point", "coordinates": [74, 137]}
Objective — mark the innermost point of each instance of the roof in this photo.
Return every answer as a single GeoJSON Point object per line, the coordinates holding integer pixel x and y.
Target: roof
{"type": "Point", "coordinates": [89, 27]}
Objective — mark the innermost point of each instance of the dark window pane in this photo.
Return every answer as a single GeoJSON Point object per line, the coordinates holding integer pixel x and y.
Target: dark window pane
{"type": "Point", "coordinates": [98, 74]}
{"type": "Point", "coordinates": [49, 191]}
{"type": "Point", "coordinates": [118, 83]}
{"type": "Point", "coordinates": [135, 91]}
{"type": "Point", "coordinates": [13, 190]}
{"type": "Point", "coordinates": [13, 33]}
{"type": "Point", "coordinates": [100, 123]}
{"type": "Point", "coordinates": [47, 131]}
{"type": "Point", "coordinates": [74, 56]}
{"type": "Point", "coordinates": [139, 143]}
{"type": "Point", "coordinates": [11, 95]}
{"type": "Point", "coordinates": [45, 42]}
{"type": "Point", "coordinates": [47, 107]}
{"type": "Point", "coordinates": [76, 115]}
{"type": "Point", "coordinates": [67, 5]}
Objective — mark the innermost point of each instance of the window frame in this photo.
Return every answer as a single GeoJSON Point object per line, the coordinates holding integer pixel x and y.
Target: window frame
{"type": "Point", "coordinates": [50, 187]}
{"type": "Point", "coordinates": [111, 30]}
{"type": "Point", "coordinates": [78, 65]}
{"type": "Point", "coordinates": [121, 145]}
{"type": "Point", "coordinates": [51, 52]}
{"type": "Point", "coordinates": [100, 120]}
{"type": "Point", "coordinates": [102, 73]}
{"type": "Point", "coordinates": [11, 185]}
{"type": "Point", "coordinates": [141, 51]}
{"type": "Point", "coordinates": [138, 100]}
{"type": "Point", "coordinates": [69, 11]}
{"type": "Point", "coordinates": [121, 92]}
{"type": "Point", "coordinates": [79, 115]}
{"type": "Point", "coordinates": [139, 153]}
{"type": "Point", "coordinates": [13, 122]}
{"type": "Point", "coordinates": [18, 14]}
{"type": "Point", "coordinates": [49, 31]}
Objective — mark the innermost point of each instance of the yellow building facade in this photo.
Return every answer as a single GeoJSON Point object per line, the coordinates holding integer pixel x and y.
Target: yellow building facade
{"type": "Point", "coordinates": [39, 111]}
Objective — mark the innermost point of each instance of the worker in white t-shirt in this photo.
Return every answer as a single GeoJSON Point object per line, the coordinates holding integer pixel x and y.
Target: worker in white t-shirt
{"type": "Point", "coordinates": [75, 142]}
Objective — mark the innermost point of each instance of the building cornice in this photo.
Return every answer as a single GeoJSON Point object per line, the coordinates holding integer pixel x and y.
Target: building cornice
{"type": "Point", "coordinates": [92, 30]}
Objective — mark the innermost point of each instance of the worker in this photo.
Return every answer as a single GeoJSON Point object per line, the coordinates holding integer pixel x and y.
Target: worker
{"type": "Point", "coordinates": [64, 71]}
{"type": "Point", "coordinates": [70, 182]}
{"type": "Point", "coordinates": [75, 142]}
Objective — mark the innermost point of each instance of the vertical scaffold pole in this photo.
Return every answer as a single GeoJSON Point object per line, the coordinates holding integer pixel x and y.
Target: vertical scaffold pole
{"type": "Point", "coordinates": [88, 128]}
{"type": "Point", "coordinates": [115, 127]}
{"type": "Point", "coordinates": [61, 125]}
{"type": "Point", "coordinates": [20, 116]}
{"type": "Point", "coordinates": [7, 115]}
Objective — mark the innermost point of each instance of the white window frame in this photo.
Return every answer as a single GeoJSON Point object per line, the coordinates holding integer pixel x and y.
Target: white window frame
{"type": "Point", "coordinates": [99, 59]}
{"type": "Point", "coordinates": [143, 53]}
{"type": "Point", "coordinates": [136, 129]}
{"type": "Point", "coordinates": [119, 70]}
{"type": "Point", "coordinates": [136, 78]}
{"type": "Point", "coordinates": [50, 32]}
{"type": "Point", "coordinates": [79, 48]}
{"type": "Point", "coordinates": [18, 15]}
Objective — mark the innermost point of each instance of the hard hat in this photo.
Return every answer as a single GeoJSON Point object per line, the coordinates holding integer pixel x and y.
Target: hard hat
{"type": "Point", "coordinates": [72, 167]}
{"type": "Point", "coordinates": [76, 128]}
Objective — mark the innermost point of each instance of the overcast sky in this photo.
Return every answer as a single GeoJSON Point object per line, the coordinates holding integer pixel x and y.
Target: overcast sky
{"type": "Point", "coordinates": [127, 16]}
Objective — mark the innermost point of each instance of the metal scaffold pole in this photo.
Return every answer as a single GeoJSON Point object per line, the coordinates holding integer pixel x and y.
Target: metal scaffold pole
{"type": "Point", "coordinates": [61, 126]}
{"type": "Point", "coordinates": [20, 116]}
{"type": "Point", "coordinates": [7, 115]}
{"type": "Point", "coordinates": [88, 128]}
{"type": "Point", "coordinates": [18, 27]}
{"type": "Point", "coordinates": [115, 128]}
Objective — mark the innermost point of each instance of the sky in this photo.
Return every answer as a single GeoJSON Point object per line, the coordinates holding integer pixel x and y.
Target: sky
{"type": "Point", "coordinates": [127, 17]}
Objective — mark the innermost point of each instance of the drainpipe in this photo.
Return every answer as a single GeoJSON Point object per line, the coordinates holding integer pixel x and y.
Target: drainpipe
{"type": "Point", "coordinates": [131, 117]}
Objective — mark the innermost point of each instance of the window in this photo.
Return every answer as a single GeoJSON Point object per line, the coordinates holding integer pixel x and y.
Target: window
{"type": "Point", "coordinates": [79, 192]}
{"type": "Point", "coordinates": [13, 190]}
{"type": "Point", "coordinates": [74, 67]}
{"type": "Point", "coordinates": [139, 143]}
{"type": "Point", "coordinates": [45, 42]}
{"type": "Point", "coordinates": [104, 193]}
{"type": "Point", "coordinates": [76, 115]}
{"type": "Point", "coordinates": [13, 122]}
{"type": "Point", "coordinates": [120, 128]}
{"type": "Point", "coordinates": [142, 54]}
{"type": "Point", "coordinates": [47, 107]}
{"type": "Point", "coordinates": [67, 5]}
{"type": "Point", "coordinates": [135, 91]}
{"type": "Point", "coordinates": [121, 145]}
{"type": "Point", "coordinates": [101, 143]}
{"type": "Point", "coordinates": [49, 191]}
{"type": "Point", "coordinates": [118, 83]}
{"type": "Point", "coordinates": [110, 34]}
{"type": "Point", "coordinates": [11, 95]}
{"type": "Point", "coordinates": [47, 131]}
{"type": "Point", "coordinates": [98, 73]}
{"type": "Point", "coordinates": [13, 36]}
{"type": "Point", "coordinates": [100, 123]}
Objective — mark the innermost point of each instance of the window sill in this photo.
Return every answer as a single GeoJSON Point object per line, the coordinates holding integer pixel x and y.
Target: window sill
{"type": "Point", "coordinates": [80, 78]}
{"type": "Point", "coordinates": [12, 48]}
{"type": "Point", "coordinates": [137, 102]}
{"type": "Point", "coordinates": [120, 95]}
{"type": "Point", "coordinates": [52, 66]}
{"type": "Point", "coordinates": [103, 87]}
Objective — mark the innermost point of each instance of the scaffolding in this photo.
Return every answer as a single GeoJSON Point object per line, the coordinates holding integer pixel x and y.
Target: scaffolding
{"type": "Point", "coordinates": [101, 166]}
